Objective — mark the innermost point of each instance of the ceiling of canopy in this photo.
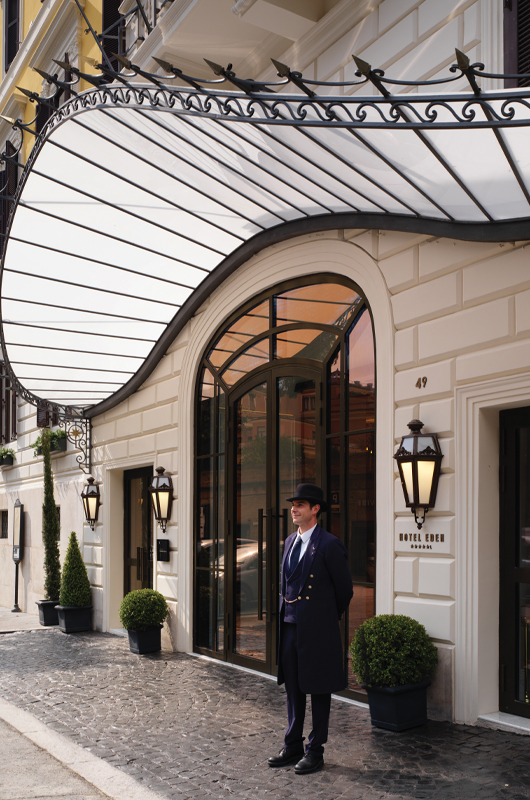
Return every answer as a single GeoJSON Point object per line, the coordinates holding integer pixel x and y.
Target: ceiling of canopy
{"type": "Point", "coordinates": [135, 198]}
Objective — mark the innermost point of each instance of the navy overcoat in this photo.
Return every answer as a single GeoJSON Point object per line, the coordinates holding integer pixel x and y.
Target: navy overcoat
{"type": "Point", "coordinates": [325, 589]}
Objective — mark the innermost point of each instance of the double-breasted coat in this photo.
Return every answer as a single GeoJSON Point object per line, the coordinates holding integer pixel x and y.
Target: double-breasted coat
{"type": "Point", "coordinates": [324, 587]}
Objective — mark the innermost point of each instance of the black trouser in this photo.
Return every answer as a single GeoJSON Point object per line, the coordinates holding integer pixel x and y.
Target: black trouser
{"type": "Point", "coordinates": [296, 699]}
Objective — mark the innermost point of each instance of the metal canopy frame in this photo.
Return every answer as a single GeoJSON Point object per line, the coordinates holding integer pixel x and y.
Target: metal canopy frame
{"type": "Point", "coordinates": [210, 175]}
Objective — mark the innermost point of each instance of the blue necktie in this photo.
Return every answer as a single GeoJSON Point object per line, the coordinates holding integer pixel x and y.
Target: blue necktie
{"type": "Point", "coordinates": [294, 556]}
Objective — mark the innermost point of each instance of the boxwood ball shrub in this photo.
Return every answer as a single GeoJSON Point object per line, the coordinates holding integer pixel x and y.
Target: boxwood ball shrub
{"type": "Point", "coordinates": [392, 650]}
{"type": "Point", "coordinates": [75, 585]}
{"type": "Point", "coordinates": [143, 609]}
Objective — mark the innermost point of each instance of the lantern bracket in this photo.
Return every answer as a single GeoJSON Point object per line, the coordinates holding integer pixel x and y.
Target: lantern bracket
{"type": "Point", "coordinates": [79, 433]}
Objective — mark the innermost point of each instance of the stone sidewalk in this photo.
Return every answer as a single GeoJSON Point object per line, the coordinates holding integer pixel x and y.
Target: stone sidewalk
{"type": "Point", "coordinates": [188, 728]}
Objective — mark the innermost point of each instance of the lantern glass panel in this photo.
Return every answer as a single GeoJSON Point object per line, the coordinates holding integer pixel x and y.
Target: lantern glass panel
{"type": "Point", "coordinates": [408, 443]}
{"type": "Point", "coordinates": [425, 475]}
{"type": "Point", "coordinates": [92, 503]}
{"type": "Point", "coordinates": [423, 442]}
{"type": "Point", "coordinates": [163, 499]}
{"type": "Point", "coordinates": [406, 466]}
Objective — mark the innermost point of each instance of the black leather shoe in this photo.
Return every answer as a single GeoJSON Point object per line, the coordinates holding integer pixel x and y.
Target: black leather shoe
{"type": "Point", "coordinates": [309, 763]}
{"type": "Point", "coordinates": [285, 757]}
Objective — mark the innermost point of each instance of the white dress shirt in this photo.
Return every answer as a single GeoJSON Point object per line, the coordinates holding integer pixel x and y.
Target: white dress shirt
{"type": "Point", "coordinates": [305, 541]}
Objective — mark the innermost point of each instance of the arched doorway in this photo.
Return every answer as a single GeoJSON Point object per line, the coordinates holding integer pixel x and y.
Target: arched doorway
{"type": "Point", "coordinates": [286, 394]}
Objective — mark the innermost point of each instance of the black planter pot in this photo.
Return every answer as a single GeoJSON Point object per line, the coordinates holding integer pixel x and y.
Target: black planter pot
{"type": "Point", "coordinates": [398, 708]}
{"type": "Point", "coordinates": [60, 445]}
{"type": "Point", "coordinates": [73, 619]}
{"type": "Point", "coordinates": [48, 612]}
{"type": "Point", "coordinates": [149, 641]}
{"type": "Point", "coordinates": [6, 461]}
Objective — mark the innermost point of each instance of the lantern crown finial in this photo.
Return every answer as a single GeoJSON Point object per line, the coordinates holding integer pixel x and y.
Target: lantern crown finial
{"type": "Point", "coordinates": [415, 425]}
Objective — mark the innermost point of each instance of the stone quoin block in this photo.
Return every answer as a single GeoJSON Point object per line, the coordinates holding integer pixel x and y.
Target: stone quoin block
{"type": "Point", "coordinates": [436, 298]}
{"type": "Point", "coordinates": [427, 382]}
{"type": "Point", "coordinates": [406, 575]}
{"type": "Point", "coordinates": [438, 616]}
{"type": "Point", "coordinates": [511, 358]}
{"type": "Point", "coordinates": [464, 330]}
{"type": "Point", "coordinates": [406, 347]}
{"type": "Point", "coordinates": [437, 576]}
{"type": "Point", "coordinates": [436, 537]}
{"type": "Point", "coordinates": [507, 273]}
{"type": "Point", "coordinates": [400, 271]}
{"type": "Point", "coordinates": [156, 418]}
{"type": "Point", "coordinates": [438, 417]}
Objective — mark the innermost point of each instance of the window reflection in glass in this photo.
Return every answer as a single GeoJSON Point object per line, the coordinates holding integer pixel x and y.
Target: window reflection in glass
{"type": "Point", "coordinates": [255, 356]}
{"type": "Point", "coordinates": [361, 374]}
{"type": "Point", "coordinates": [251, 497]}
{"type": "Point", "coordinates": [524, 499]}
{"type": "Point", "coordinates": [205, 427]}
{"type": "Point", "coordinates": [334, 512]}
{"type": "Point", "coordinates": [322, 303]}
{"type": "Point", "coordinates": [305, 343]}
{"type": "Point", "coordinates": [334, 394]}
{"type": "Point", "coordinates": [361, 499]}
{"type": "Point", "coordinates": [244, 329]}
{"type": "Point", "coordinates": [362, 607]}
{"type": "Point", "coordinates": [523, 693]}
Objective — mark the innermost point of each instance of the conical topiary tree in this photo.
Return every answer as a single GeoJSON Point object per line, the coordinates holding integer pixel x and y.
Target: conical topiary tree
{"type": "Point", "coordinates": [50, 527]}
{"type": "Point", "coordinates": [75, 585]}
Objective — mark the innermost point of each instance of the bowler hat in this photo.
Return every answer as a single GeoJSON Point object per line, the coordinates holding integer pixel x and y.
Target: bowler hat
{"type": "Point", "coordinates": [310, 492]}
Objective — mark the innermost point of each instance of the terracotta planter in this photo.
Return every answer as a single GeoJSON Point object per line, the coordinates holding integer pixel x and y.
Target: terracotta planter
{"type": "Point", "coordinates": [48, 612]}
{"type": "Point", "coordinates": [398, 708]}
{"type": "Point", "coordinates": [142, 642]}
{"type": "Point", "coordinates": [73, 619]}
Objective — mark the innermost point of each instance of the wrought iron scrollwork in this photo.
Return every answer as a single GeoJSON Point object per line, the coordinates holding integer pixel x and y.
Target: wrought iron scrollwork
{"type": "Point", "coordinates": [79, 433]}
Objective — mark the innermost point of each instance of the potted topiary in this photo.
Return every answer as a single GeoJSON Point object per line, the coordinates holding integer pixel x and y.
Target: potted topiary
{"type": "Point", "coordinates": [50, 539]}
{"type": "Point", "coordinates": [394, 658]}
{"type": "Point", "coordinates": [75, 600]}
{"type": "Point", "coordinates": [142, 612]}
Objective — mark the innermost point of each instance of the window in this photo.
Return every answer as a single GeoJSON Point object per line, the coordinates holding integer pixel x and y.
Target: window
{"type": "Point", "coordinates": [44, 112]}
{"type": "Point", "coordinates": [45, 418]}
{"type": "Point", "coordinates": [8, 409]}
{"type": "Point", "coordinates": [517, 41]}
{"type": "Point", "coordinates": [8, 187]}
{"type": "Point", "coordinates": [11, 29]}
{"type": "Point", "coordinates": [5, 529]}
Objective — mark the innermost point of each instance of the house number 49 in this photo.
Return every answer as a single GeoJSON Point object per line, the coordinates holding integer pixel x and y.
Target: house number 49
{"type": "Point", "coordinates": [421, 383]}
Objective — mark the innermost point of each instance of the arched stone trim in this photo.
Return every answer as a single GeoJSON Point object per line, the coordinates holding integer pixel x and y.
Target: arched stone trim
{"type": "Point", "coordinates": [306, 255]}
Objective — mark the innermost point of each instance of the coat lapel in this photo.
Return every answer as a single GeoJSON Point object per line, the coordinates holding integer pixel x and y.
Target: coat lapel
{"type": "Point", "coordinates": [286, 550]}
{"type": "Point", "coordinates": [309, 555]}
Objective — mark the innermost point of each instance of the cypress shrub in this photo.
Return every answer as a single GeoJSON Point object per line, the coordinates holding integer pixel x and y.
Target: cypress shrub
{"type": "Point", "coordinates": [75, 585]}
{"type": "Point", "coordinates": [142, 609]}
{"type": "Point", "coordinates": [50, 527]}
{"type": "Point", "coordinates": [392, 650]}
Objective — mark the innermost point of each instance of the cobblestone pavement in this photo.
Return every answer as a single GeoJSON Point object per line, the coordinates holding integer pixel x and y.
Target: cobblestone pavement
{"type": "Point", "coordinates": [189, 728]}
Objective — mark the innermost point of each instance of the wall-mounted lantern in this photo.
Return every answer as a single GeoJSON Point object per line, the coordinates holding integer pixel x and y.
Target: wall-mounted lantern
{"type": "Point", "coordinates": [91, 502]}
{"type": "Point", "coordinates": [418, 459]}
{"type": "Point", "coordinates": [162, 496]}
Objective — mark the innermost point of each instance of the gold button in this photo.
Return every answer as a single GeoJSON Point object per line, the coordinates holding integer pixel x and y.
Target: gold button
{"type": "Point", "coordinates": [299, 598]}
{"type": "Point", "coordinates": [309, 587]}
{"type": "Point", "coordinates": [311, 576]}
{"type": "Point", "coordinates": [307, 598]}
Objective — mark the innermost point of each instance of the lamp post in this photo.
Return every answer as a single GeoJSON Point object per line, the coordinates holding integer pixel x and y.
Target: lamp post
{"type": "Point", "coordinates": [419, 459]}
{"type": "Point", "coordinates": [91, 502]}
{"type": "Point", "coordinates": [162, 496]}
{"type": "Point", "coordinates": [18, 544]}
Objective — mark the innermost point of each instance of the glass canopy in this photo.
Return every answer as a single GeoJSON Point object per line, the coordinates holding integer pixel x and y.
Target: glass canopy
{"type": "Point", "coordinates": [138, 200]}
